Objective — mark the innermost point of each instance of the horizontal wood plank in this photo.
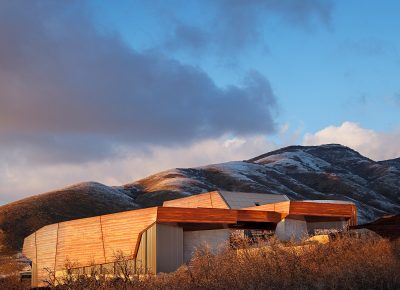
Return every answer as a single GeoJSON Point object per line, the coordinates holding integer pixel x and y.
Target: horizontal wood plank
{"type": "Point", "coordinates": [258, 216]}
{"type": "Point", "coordinates": [29, 247]}
{"type": "Point", "coordinates": [46, 241]}
{"type": "Point", "coordinates": [121, 232]}
{"type": "Point", "coordinates": [80, 242]}
{"type": "Point", "coordinates": [204, 200]}
{"type": "Point", "coordinates": [193, 215]}
{"type": "Point", "coordinates": [321, 209]}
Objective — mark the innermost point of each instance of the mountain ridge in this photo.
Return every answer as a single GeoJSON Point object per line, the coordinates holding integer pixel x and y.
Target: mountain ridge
{"type": "Point", "coordinates": [328, 171]}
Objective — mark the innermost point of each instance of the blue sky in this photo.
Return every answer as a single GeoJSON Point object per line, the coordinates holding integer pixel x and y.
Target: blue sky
{"type": "Point", "coordinates": [323, 72]}
{"type": "Point", "coordinates": [115, 91]}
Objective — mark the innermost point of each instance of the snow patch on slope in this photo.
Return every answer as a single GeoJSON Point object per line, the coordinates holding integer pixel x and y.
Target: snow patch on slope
{"type": "Point", "coordinates": [298, 160]}
{"type": "Point", "coordinates": [100, 190]}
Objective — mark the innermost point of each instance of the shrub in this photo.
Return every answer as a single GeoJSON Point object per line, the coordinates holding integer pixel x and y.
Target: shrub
{"type": "Point", "coordinates": [344, 263]}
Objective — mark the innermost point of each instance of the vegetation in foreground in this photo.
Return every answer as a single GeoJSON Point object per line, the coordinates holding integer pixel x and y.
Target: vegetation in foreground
{"type": "Point", "coordinates": [344, 263]}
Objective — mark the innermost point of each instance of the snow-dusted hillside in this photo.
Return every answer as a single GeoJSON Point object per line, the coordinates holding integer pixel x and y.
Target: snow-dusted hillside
{"type": "Point", "coordinates": [314, 172]}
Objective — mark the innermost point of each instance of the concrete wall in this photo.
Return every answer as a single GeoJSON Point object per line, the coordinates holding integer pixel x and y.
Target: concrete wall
{"type": "Point", "coordinates": [292, 227]}
{"type": "Point", "coordinates": [214, 239]}
{"type": "Point", "coordinates": [297, 227]}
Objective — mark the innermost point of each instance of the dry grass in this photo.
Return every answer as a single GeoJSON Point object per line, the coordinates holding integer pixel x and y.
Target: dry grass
{"type": "Point", "coordinates": [345, 263]}
{"type": "Point", "coordinates": [9, 274]}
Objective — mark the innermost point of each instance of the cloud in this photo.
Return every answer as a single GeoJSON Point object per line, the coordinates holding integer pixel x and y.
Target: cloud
{"type": "Point", "coordinates": [18, 180]}
{"type": "Point", "coordinates": [370, 143]}
{"type": "Point", "coordinates": [237, 24]}
{"type": "Point", "coordinates": [69, 93]}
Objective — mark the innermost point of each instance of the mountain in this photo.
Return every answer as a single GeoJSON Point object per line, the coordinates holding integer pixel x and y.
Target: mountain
{"type": "Point", "coordinates": [18, 219]}
{"type": "Point", "coordinates": [386, 226]}
{"type": "Point", "coordinates": [391, 162]}
{"type": "Point", "coordinates": [301, 172]}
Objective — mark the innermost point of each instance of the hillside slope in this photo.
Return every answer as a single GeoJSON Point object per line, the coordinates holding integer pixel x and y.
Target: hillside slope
{"type": "Point", "coordinates": [300, 172]}
{"type": "Point", "coordinates": [20, 218]}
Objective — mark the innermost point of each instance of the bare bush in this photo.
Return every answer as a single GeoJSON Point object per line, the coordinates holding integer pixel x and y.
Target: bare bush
{"type": "Point", "coordinates": [344, 263]}
{"type": "Point", "coordinates": [9, 274]}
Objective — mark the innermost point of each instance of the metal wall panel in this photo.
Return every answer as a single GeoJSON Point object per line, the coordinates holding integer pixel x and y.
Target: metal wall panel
{"type": "Point", "coordinates": [151, 251]}
{"type": "Point", "coordinates": [169, 247]}
{"type": "Point", "coordinates": [140, 260]}
{"type": "Point", "coordinates": [249, 199]}
{"type": "Point", "coordinates": [214, 239]}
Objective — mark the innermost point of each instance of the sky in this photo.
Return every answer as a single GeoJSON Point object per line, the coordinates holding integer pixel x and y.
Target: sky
{"type": "Point", "coordinates": [113, 91]}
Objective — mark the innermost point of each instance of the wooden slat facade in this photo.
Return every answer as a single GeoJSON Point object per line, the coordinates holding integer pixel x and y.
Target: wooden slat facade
{"type": "Point", "coordinates": [29, 248]}
{"type": "Point", "coordinates": [46, 241]}
{"type": "Point", "coordinates": [281, 207]}
{"type": "Point", "coordinates": [85, 242]}
{"type": "Point", "coordinates": [306, 208]}
{"type": "Point", "coordinates": [196, 215]}
{"type": "Point", "coordinates": [80, 241]}
{"type": "Point", "coordinates": [121, 231]}
{"type": "Point", "coordinates": [258, 216]}
{"type": "Point", "coordinates": [325, 209]}
{"type": "Point", "coordinates": [321, 209]}
{"type": "Point", "coordinates": [203, 200]}
{"type": "Point", "coordinates": [217, 201]}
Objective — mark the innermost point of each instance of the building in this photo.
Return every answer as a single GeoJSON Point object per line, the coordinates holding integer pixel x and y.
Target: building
{"type": "Point", "coordinates": [160, 239]}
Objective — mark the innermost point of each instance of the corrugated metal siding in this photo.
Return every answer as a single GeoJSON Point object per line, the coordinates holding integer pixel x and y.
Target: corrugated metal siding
{"type": "Point", "coordinates": [151, 241]}
{"type": "Point", "coordinates": [140, 260]}
{"type": "Point", "coordinates": [214, 239]}
{"type": "Point", "coordinates": [169, 247]}
{"type": "Point", "coordinates": [248, 199]}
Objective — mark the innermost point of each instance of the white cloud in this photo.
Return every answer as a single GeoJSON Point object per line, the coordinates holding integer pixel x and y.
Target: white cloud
{"type": "Point", "coordinates": [19, 179]}
{"type": "Point", "coordinates": [373, 144]}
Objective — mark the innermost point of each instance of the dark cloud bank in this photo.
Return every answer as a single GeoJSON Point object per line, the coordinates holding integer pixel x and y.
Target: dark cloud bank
{"type": "Point", "coordinates": [71, 94]}
{"type": "Point", "coordinates": [63, 85]}
{"type": "Point", "coordinates": [237, 24]}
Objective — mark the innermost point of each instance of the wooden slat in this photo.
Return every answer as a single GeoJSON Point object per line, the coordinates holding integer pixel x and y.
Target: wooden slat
{"type": "Point", "coordinates": [310, 209]}
{"type": "Point", "coordinates": [29, 247]}
{"type": "Point", "coordinates": [321, 209]}
{"type": "Point", "coordinates": [46, 239]}
{"type": "Point", "coordinates": [121, 231]}
{"type": "Point", "coordinates": [353, 220]}
{"type": "Point", "coordinates": [199, 200]}
{"type": "Point", "coordinates": [197, 215]}
{"type": "Point", "coordinates": [258, 216]}
{"type": "Point", "coordinates": [217, 200]}
{"type": "Point", "coordinates": [80, 241]}
{"type": "Point", "coordinates": [281, 207]}
{"type": "Point", "coordinates": [204, 200]}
